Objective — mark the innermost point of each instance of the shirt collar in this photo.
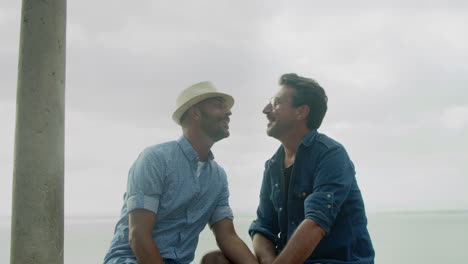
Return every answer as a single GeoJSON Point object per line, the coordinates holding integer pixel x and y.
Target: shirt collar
{"type": "Point", "coordinates": [309, 138]}
{"type": "Point", "coordinates": [306, 141]}
{"type": "Point", "coordinates": [189, 152]}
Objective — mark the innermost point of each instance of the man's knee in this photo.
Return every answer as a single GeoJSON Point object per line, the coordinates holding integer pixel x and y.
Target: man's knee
{"type": "Point", "coordinates": [215, 257]}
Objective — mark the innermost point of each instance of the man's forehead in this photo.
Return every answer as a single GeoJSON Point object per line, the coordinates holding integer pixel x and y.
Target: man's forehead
{"type": "Point", "coordinates": [284, 92]}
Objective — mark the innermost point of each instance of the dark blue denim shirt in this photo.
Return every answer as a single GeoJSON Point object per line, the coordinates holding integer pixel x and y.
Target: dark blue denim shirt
{"type": "Point", "coordinates": [322, 188]}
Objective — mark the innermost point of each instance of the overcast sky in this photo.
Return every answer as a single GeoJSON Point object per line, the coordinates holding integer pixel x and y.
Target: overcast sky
{"type": "Point", "coordinates": [396, 77]}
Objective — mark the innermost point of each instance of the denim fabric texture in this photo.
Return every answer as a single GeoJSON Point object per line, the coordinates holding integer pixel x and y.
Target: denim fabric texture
{"type": "Point", "coordinates": [322, 188]}
{"type": "Point", "coordinates": [163, 180]}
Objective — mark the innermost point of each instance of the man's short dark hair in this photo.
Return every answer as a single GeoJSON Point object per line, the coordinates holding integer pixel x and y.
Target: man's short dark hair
{"type": "Point", "coordinates": [307, 92]}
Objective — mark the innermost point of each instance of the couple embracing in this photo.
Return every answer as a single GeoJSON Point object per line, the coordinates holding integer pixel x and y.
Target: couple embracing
{"type": "Point", "coordinates": [310, 208]}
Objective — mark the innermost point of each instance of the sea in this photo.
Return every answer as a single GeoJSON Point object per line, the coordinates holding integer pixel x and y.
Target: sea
{"type": "Point", "coordinates": [398, 237]}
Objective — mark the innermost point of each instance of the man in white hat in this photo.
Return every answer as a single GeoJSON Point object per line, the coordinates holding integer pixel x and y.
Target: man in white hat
{"type": "Point", "coordinates": [175, 188]}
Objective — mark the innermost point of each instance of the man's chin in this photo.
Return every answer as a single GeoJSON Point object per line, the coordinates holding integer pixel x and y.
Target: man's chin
{"type": "Point", "coordinates": [226, 134]}
{"type": "Point", "coordinates": [269, 130]}
{"type": "Point", "coordinates": [272, 132]}
{"type": "Point", "coordinates": [221, 135]}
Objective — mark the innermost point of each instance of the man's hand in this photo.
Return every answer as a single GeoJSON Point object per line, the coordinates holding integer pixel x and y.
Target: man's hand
{"type": "Point", "coordinates": [233, 248]}
{"type": "Point", "coordinates": [302, 243]}
{"type": "Point", "coordinates": [264, 249]}
{"type": "Point", "coordinates": [141, 223]}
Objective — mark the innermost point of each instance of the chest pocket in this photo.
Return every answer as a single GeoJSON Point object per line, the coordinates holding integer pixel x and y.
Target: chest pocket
{"type": "Point", "coordinates": [302, 192]}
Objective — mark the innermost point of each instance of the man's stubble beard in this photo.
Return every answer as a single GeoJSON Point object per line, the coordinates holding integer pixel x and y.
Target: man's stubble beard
{"type": "Point", "coordinates": [216, 133]}
{"type": "Point", "coordinates": [279, 130]}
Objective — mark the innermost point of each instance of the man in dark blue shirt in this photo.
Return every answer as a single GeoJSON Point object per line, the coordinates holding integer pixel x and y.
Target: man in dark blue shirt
{"type": "Point", "coordinates": [311, 209]}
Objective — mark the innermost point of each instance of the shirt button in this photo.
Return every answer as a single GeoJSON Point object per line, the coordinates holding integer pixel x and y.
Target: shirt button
{"type": "Point", "coordinates": [281, 208]}
{"type": "Point", "coordinates": [293, 223]}
{"type": "Point", "coordinates": [329, 205]}
{"type": "Point", "coordinates": [329, 195]}
{"type": "Point", "coordinates": [276, 185]}
{"type": "Point", "coordinates": [303, 194]}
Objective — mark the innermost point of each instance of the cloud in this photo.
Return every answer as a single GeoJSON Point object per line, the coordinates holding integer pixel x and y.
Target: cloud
{"type": "Point", "coordinates": [456, 118]}
{"type": "Point", "coordinates": [395, 74]}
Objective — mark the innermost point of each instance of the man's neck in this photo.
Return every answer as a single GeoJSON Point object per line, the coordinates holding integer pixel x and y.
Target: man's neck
{"type": "Point", "coordinates": [200, 142]}
{"type": "Point", "coordinates": [291, 143]}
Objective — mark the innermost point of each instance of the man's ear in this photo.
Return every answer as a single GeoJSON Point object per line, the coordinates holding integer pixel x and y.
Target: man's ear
{"type": "Point", "coordinates": [195, 113]}
{"type": "Point", "coordinates": [302, 112]}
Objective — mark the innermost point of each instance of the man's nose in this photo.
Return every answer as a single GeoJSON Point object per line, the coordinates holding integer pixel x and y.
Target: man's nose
{"type": "Point", "coordinates": [267, 109]}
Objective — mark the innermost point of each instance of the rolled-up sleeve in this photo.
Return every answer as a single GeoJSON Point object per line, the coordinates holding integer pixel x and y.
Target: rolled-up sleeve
{"type": "Point", "coordinates": [145, 182]}
{"type": "Point", "coordinates": [267, 220]}
{"type": "Point", "coordinates": [334, 180]}
{"type": "Point", "coordinates": [222, 210]}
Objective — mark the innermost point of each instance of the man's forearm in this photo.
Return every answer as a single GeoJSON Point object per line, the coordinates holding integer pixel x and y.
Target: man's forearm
{"type": "Point", "coordinates": [146, 251]}
{"type": "Point", "coordinates": [264, 249]}
{"type": "Point", "coordinates": [236, 250]}
{"type": "Point", "coordinates": [302, 243]}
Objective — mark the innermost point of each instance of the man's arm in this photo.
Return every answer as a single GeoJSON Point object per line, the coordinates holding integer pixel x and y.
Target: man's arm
{"type": "Point", "coordinates": [302, 243]}
{"type": "Point", "coordinates": [333, 182]}
{"type": "Point", "coordinates": [264, 249]}
{"type": "Point", "coordinates": [141, 223]}
{"type": "Point", "coordinates": [232, 247]}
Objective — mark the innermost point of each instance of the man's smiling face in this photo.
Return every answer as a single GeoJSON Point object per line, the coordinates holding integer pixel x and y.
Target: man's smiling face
{"type": "Point", "coordinates": [280, 113]}
{"type": "Point", "coordinates": [215, 118]}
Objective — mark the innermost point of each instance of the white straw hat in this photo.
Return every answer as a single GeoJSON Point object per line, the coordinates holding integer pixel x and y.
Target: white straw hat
{"type": "Point", "coordinates": [195, 94]}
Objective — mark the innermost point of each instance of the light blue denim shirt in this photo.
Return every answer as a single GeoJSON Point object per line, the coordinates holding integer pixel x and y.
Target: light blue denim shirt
{"type": "Point", "coordinates": [163, 180]}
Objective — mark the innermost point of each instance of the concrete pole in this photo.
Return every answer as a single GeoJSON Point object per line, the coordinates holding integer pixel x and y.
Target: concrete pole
{"type": "Point", "coordinates": [37, 217]}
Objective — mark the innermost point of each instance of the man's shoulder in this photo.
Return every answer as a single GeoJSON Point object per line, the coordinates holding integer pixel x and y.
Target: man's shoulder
{"type": "Point", "coordinates": [329, 146]}
{"type": "Point", "coordinates": [161, 151]}
{"type": "Point", "coordinates": [327, 141]}
{"type": "Point", "coordinates": [162, 146]}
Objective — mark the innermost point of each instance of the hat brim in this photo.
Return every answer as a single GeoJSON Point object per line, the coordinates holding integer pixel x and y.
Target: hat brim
{"type": "Point", "coordinates": [229, 100]}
